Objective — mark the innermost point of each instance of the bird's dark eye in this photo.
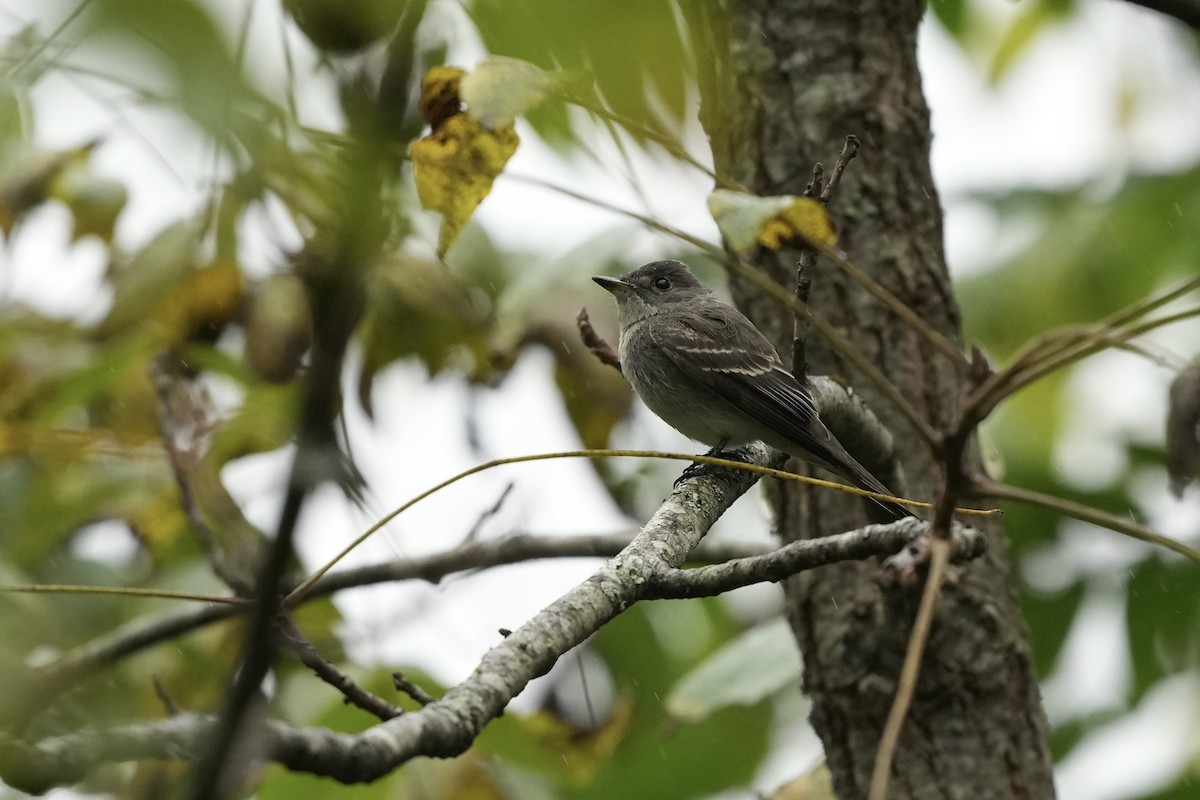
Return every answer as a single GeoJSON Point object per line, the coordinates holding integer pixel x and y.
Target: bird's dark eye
{"type": "Point", "coordinates": [662, 284]}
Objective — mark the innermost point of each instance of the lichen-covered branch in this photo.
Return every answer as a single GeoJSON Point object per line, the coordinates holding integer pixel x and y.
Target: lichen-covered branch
{"type": "Point", "coordinates": [647, 567]}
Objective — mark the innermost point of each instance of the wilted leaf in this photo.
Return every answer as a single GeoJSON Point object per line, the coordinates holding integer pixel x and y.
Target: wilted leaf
{"type": "Point", "coordinates": [804, 219]}
{"type": "Point", "coordinates": [501, 89]}
{"type": "Point", "coordinates": [202, 303]}
{"type": "Point", "coordinates": [454, 168]}
{"type": "Point", "coordinates": [278, 328]}
{"type": "Point", "coordinates": [158, 268]}
{"type": "Point", "coordinates": [421, 308]}
{"type": "Point", "coordinates": [746, 220]}
{"type": "Point", "coordinates": [595, 395]}
{"type": "Point", "coordinates": [529, 740]}
{"type": "Point", "coordinates": [1183, 428]}
{"type": "Point", "coordinates": [746, 669]}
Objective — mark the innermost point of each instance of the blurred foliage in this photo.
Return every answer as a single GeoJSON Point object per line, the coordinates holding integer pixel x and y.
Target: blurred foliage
{"type": "Point", "coordinates": [1089, 255]}
{"type": "Point", "coordinates": [196, 350]}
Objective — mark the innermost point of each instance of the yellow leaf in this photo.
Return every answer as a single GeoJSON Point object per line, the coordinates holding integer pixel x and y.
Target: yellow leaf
{"type": "Point", "coordinates": [746, 220]}
{"type": "Point", "coordinates": [804, 218]}
{"type": "Point", "coordinates": [454, 168]}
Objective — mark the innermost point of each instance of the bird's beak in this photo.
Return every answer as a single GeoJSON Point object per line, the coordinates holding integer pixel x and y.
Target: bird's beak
{"type": "Point", "coordinates": [614, 285]}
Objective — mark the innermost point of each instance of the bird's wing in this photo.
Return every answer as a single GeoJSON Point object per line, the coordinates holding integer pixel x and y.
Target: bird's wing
{"type": "Point", "coordinates": [739, 365]}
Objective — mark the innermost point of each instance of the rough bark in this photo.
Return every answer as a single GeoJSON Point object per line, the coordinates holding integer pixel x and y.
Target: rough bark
{"type": "Point", "coordinates": [800, 76]}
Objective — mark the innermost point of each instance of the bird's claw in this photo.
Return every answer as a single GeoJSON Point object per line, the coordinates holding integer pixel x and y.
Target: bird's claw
{"type": "Point", "coordinates": [699, 468]}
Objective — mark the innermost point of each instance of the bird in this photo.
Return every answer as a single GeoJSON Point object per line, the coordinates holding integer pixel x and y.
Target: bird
{"type": "Point", "coordinates": [704, 368]}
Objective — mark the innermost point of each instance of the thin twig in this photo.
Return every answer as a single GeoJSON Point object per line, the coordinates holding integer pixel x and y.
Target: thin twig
{"type": "Point", "coordinates": [306, 586]}
{"type": "Point", "coordinates": [673, 147]}
{"type": "Point", "coordinates": [1055, 342]}
{"type": "Point", "coordinates": [594, 342]}
{"type": "Point", "coordinates": [939, 557]}
{"type": "Point", "coordinates": [120, 591]}
{"type": "Point", "coordinates": [808, 256]}
{"type": "Point", "coordinates": [800, 323]}
{"type": "Point", "coordinates": [987, 487]}
{"type": "Point", "coordinates": [160, 691]}
{"type": "Point", "coordinates": [258, 652]}
{"type": "Point", "coordinates": [403, 684]}
{"type": "Point", "coordinates": [85, 660]}
{"type": "Point", "coordinates": [849, 151]}
{"type": "Point", "coordinates": [805, 554]}
{"type": "Point", "coordinates": [488, 513]}
{"type": "Point", "coordinates": [1077, 346]}
{"type": "Point", "coordinates": [308, 654]}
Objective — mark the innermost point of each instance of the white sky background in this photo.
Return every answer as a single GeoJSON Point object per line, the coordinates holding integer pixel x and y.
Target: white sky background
{"type": "Point", "coordinates": [1051, 123]}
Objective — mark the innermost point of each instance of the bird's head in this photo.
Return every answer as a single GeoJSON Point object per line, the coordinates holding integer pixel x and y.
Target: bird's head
{"type": "Point", "coordinates": [651, 288]}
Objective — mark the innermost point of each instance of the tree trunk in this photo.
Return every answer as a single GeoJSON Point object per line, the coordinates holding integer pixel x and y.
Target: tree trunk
{"type": "Point", "coordinates": [800, 76]}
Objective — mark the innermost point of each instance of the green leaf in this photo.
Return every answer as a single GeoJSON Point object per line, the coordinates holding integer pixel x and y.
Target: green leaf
{"type": "Point", "coordinates": [421, 308]}
{"type": "Point", "coordinates": [1048, 618]}
{"type": "Point", "coordinates": [197, 58]}
{"type": "Point", "coordinates": [636, 51]}
{"type": "Point", "coordinates": [1017, 38]}
{"type": "Point", "coordinates": [955, 16]}
{"type": "Point", "coordinates": [1163, 618]}
{"type": "Point", "coordinates": [658, 758]}
{"type": "Point", "coordinates": [1090, 257]}
{"type": "Point", "coordinates": [746, 669]}
{"type": "Point", "coordinates": [345, 26]}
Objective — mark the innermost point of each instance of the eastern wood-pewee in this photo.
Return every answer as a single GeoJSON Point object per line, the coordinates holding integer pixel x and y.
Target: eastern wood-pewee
{"type": "Point", "coordinates": [703, 367]}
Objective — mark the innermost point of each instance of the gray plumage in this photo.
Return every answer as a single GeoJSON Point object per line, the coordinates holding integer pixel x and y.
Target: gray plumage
{"type": "Point", "coordinates": [703, 367]}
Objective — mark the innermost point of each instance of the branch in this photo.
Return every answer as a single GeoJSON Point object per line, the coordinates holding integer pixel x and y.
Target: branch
{"type": "Point", "coordinates": [911, 669]}
{"type": "Point", "coordinates": [647, 568]}
{"type": "Point", "coordinates": [69, 669]}
{"type": "Point", "coordinates": [805, 554]}
{"type": "Point", "coordinates": [986, 487]}
{"type": "Point", "coordinates": [595, 342]}
{"type": "Point", "coordinates": [311, 658]}
{"type": "Point", "coordinates": [808, 256]}
{"type": "Point", "coordinates": [447, 726]}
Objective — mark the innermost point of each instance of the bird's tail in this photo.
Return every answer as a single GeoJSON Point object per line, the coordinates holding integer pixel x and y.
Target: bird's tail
{"type": "Point", "coordinates": [865, 480]}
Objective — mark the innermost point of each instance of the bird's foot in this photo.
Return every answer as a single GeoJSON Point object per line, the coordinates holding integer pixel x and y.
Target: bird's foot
{"type": "Point", "coordinates": [698, 468]}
